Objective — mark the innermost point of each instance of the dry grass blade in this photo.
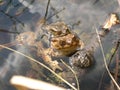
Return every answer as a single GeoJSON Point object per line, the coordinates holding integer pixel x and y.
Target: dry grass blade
{"type": "Point", "coordinates": [12, 18]}
{"type": "Point", "coordinates": [34, 60]}
{"type": "Point", "coordinates": [6, 31]}
{"type": "Point", "coordinates": [106, 62]}
{"type": "Point", "coordinates": [111, 58]}
{"type": "Point", "coordinates": [9, 44]}
{"type": "Point", "coordinates": [78, 86]}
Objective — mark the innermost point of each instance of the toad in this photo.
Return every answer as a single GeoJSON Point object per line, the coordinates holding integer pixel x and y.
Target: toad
{"type": "Point", "coordinates": [63, 41]}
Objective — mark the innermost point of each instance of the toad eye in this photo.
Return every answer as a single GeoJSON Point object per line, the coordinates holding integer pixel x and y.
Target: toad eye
{"type": "Point", "coordinates": [55, 32]}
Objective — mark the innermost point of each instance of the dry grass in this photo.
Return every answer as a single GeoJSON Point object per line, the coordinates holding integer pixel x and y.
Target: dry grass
{"type": "Point", "coordinates": [34, 60]}
{"type": "Point", "coordinates": [106, 66]}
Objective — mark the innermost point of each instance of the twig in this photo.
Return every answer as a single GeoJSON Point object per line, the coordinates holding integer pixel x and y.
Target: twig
{"type": "Point", "coordinates": [78, 87]}
{"type": "Point", "coordinates": [6, 31]}
{"type": "Point", "coordinates": [111, 58]}
{"type": "Point", "coordinates": [55, 14]}
{"type": "Point", "coordinates": [9, 44]}
{"type": "Point", "coordinates": [106, 62]}
{"type": "Point", "coordinates": [9, 4]}
{"type": "Point", "coordinates": [34, 60]}
{"type": "Point", "coordinates": [25, 83]}
{"type": "Point", "coordinates": [12, 17]}
{"type": "Point", "coordinates": [47, 10]}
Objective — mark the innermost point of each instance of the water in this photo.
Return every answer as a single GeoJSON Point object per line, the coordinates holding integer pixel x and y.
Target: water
{"type": "Point", "coordinates": [89, 14]}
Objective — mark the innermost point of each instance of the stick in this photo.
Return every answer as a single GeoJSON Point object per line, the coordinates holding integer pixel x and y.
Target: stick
{"type": "Point", "coordinates": [25, 83]}
{"type": "Point", "coordinates": [106, 62]}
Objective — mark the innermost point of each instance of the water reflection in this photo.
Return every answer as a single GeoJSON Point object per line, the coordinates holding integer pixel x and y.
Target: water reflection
{"type": "Point", "coordinates": [85, 11]}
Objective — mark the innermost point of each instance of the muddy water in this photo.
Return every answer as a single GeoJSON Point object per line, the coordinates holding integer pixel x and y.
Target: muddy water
{"type": "Point", "coordinates": [89, 14]}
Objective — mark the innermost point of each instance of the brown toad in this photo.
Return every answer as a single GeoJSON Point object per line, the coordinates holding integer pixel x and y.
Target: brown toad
{"type": "Point", "coordinates": [63, 41]}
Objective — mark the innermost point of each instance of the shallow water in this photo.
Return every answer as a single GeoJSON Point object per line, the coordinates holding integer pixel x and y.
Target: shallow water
{"type": "Point", "coordinates": [89, 14]}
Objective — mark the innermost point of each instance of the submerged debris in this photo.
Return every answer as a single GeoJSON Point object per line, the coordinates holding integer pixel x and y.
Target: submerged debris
{"type": "Point", "coordinates": [111, 21]}
{"type": "Point", "coordinates": [84, 58]}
